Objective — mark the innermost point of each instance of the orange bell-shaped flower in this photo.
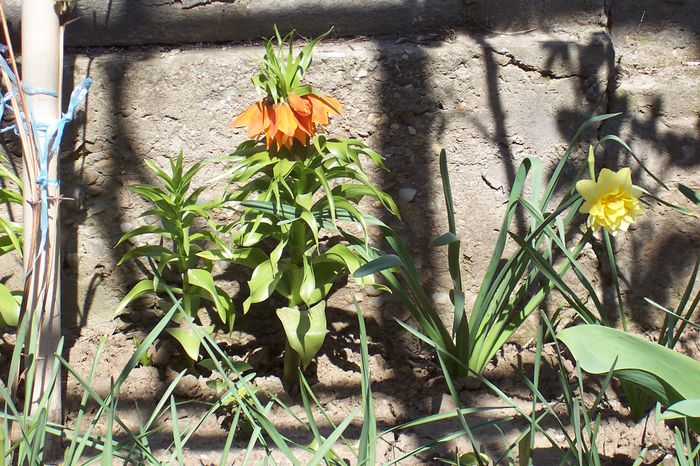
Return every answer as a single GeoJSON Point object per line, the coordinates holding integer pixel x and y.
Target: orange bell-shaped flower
{"type": "Point", "coordinates": [286, 121]}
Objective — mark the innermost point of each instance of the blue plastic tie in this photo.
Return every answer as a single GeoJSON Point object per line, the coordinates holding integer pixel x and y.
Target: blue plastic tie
{"type": "Point", "coordinates": [51, 132]}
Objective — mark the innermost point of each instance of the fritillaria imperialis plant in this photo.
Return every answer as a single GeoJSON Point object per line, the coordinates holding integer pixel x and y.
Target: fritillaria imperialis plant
{"type": "Point", "coordinates": [292, 181]}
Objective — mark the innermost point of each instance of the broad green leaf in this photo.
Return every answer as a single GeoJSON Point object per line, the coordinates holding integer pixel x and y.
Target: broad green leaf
{"type": "Point", "coordinates": [282, 168]}
{"type": "Point", "coordinates": [142, 230]}
{"type": "Point", "coordinates": [367, 450]}
{"type": "Point", "coordinates": [310, 220]}
{"type": "Point", "coordinates": [150, 250]}
{"type": "Point", "coordinates": [305, 330]}
{"type": "Point", "coordinates": [304, 200]}
{"type": "Point", "coordinates": [187, 177]}
{"type": "Point", "coordinates": [141, 288]}
{"type": "Point", "coordinates": [145, 359]}
{"type": "Point", "coordinates": [6, 173]}
{"type": "Point", "coordinates": [473, 459]}
{"type": "Point", "coordinates": [308, 282]}
{"type": "Point", "coordinates": [664, 374]}
{"type": "Point", "coordinates": [204, 280]}
{"type": "Point", "coordinates": [9, 308]}
{"type": "Point", "coordinates": [249, 257]}
{"type": "Point", "coordinates": [351, 260]}
{"type": "Point", "coordinates": [322, 453]}
{"type": "Point", "coordinates": [261, 284]}
{"type": "Point", "coordinates": [10, 195]}
{"type": "Point", "coordinates": [12, 239]}
{"type": "Point", "coordinates": [692, 195]}
{"type": "Point", "coordinates": [321, 176]}
{"type": "Point", "coordinates": [154, 194]}
{"type": "Point", "coordinates": [253, 231]}
{"type": "Point", "coordinates": [685, 408]}
{"type": "Point", "coordinates": [352, 191]}
{"type": "Point", "coordinates": [444, 240]}
{"type": "Point", "coordinates": [556, 174]}
{"type": "Point", "coordinates": [276, 255]}
{"type": "Point", "coordinates": [165, 178]}
{"type": "Point", "coordinates": [305, 56]}
{"type": "Point", "coordinates": [343, 254]}
{"type": "Point", "coordinates": [186, 241]}
{"type": "Point", "coordinates": [459, 321]}
{"type": "Point", "coordinates": [290, 283]}
{"type": "Point", "coordinates": [188, 339]}
{"type": "Point", "coordinates": [380, 264]}
{"type": "Point", "coordinates": [613, 137]}
{"type": "Point", "coordinates": [283, 211]}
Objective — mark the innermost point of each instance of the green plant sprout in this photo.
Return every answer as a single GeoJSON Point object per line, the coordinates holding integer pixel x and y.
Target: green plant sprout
{"type": "Point", "coordinates": [178, 252]}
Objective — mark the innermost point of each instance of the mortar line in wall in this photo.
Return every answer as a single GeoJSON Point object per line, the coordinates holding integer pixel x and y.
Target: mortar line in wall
{"type": "Point", "coordinates": [253, 42]}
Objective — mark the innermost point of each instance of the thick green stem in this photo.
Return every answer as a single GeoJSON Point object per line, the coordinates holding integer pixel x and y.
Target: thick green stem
{"type": "Point", "coordinates": [297, 243]}
{"type": "Point", "coordinates": [186, 299]}
{"type": "Point", "coordinates": [291, 365]}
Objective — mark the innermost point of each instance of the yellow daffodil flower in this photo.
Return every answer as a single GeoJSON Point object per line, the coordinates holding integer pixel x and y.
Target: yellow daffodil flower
{"type": "Point", "coordinates": [611, 202]}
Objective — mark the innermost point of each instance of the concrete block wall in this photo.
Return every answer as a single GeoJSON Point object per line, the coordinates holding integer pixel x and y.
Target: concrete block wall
{"type": "Point", "coordinates": [490, 82]}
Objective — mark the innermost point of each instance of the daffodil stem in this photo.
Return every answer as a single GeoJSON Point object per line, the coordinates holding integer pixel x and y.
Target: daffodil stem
{"type": "Point", "coordinates": [616, 282]}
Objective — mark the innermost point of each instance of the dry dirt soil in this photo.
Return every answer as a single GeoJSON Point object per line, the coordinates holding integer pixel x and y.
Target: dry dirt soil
{"type": "Point", "coordinates": [407, 384]}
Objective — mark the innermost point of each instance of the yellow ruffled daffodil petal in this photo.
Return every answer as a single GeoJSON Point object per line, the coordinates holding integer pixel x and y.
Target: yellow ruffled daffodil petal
{"type": "Point", "coordinates": [611, 202]}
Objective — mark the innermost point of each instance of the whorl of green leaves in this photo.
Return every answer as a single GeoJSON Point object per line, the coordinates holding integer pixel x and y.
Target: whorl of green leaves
{"type": "Point", "coordinates": [280, 71]}
{"type": "Point", "coordinates": [283, 202]}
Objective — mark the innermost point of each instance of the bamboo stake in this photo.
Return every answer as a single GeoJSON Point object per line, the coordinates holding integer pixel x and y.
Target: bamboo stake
{"type": "Point", "coordinates": [41, 69]}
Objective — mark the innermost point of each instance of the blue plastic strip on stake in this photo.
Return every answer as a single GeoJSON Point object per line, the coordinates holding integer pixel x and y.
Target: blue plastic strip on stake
{"type": "Point", "coordinates": [51, 132]}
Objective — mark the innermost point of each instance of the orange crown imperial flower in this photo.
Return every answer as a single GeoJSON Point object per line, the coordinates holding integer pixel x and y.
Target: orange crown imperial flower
{"type": "Point", "coordinates": [286, 121]}
{"type": "Point", "coordinates": [291, 110]}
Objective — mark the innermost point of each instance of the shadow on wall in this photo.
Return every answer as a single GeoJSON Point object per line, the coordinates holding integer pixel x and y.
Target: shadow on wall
{"type": "Point", "coordinates": [191, 21]}
{"type": "Point", "coordinates": [101, 196]}
{"type": "Point", "coordinates": [406, 94]}
{"type": "Point", "coordinates": [592, 64]}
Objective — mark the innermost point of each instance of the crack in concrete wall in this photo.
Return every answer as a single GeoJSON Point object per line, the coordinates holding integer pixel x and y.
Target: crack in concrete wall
{"type": "Point", "coordinates": [530, 68]}
{"type": "Point", "coordinates": [186, 4]}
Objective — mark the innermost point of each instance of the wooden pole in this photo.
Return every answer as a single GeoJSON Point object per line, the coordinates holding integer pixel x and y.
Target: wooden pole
{"type": "Point", "coordinates": [41, 69]}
